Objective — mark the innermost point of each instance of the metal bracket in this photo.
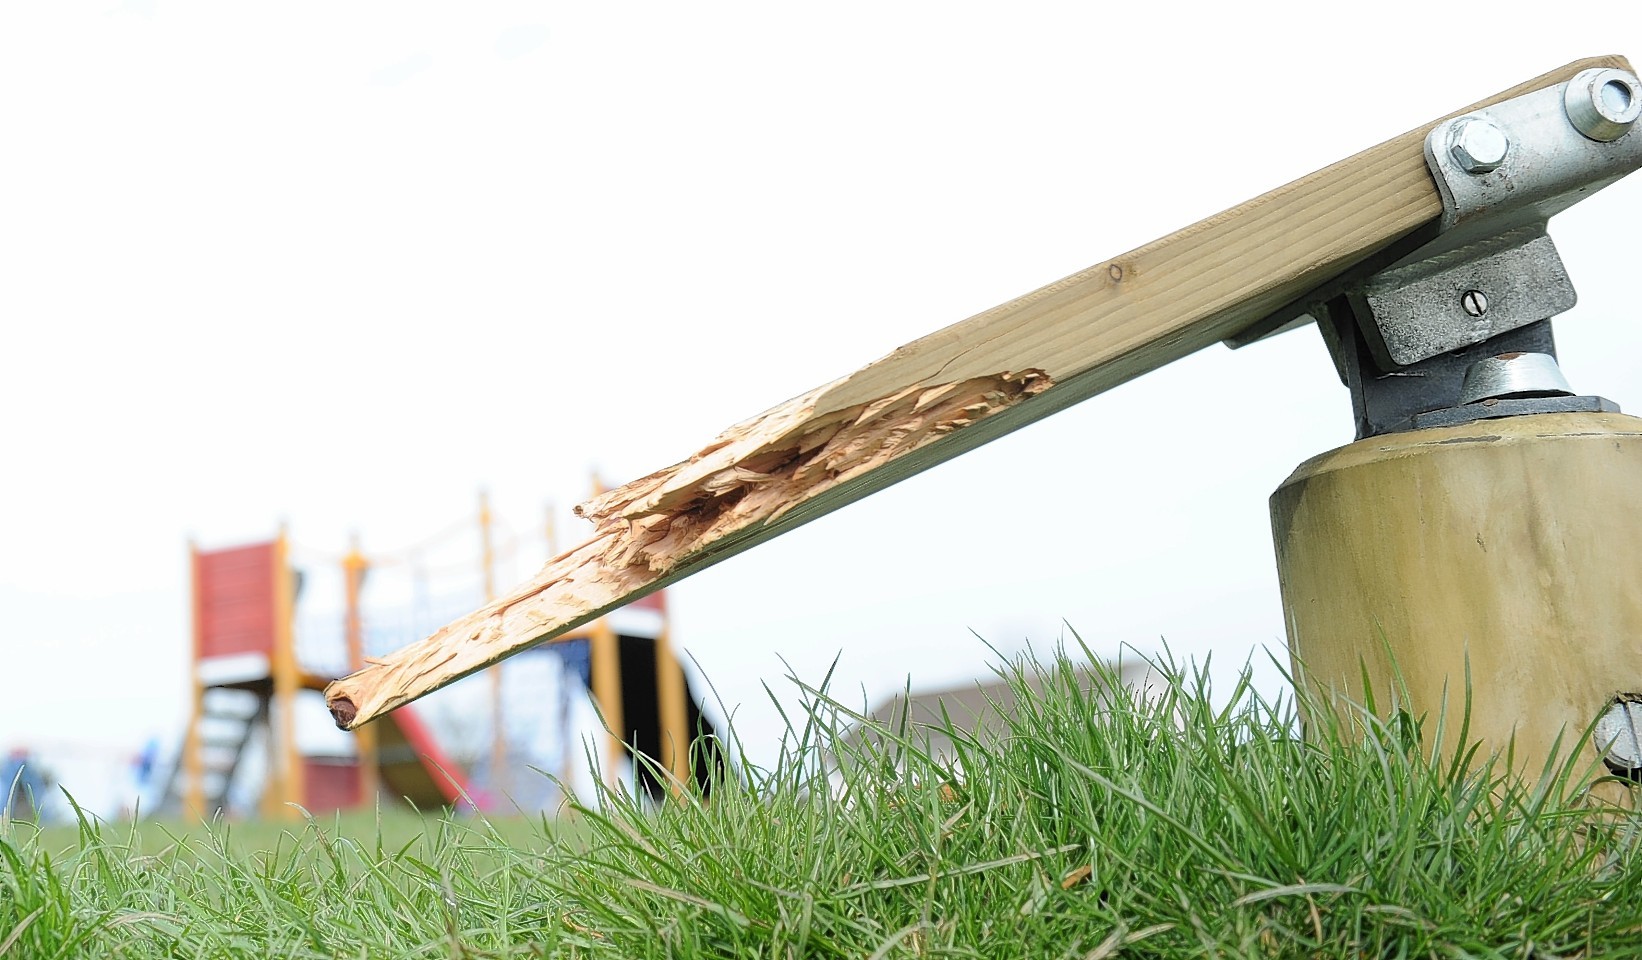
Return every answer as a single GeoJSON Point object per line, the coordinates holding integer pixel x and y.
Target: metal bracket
{"type": "Point", "coordinates": [1446, 301]}
{"type": "Point", "coordinates": [1490, 269]}
{"type": "Point", "coordinates": [1544, 165]}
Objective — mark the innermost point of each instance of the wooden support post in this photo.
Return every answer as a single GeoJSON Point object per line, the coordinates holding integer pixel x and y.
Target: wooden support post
{"type": "Point", "coordinates": [353, 630]}
{"type": "Point", "coordinates": [1503, 551]}
{"type": "Point", "coordinates": [193, 748]}
{"type": "Point", "coordinates": [940, 396]}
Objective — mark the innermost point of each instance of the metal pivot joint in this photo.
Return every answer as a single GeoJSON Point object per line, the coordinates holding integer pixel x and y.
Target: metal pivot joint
{"type": "Point", "coordinates": [1435, 332]}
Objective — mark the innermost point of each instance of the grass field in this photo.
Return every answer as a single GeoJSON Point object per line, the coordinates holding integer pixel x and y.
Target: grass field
{"type": "Point", "coordinates": [1098, 827]}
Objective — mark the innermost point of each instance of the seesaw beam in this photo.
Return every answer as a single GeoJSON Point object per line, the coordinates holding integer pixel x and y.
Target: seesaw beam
{"type": "Point", "coordinates": [938, 397]}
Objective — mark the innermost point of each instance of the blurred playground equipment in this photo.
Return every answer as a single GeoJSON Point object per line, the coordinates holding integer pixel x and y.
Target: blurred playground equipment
{"type": "Point", "coordinates": [25, 787]}
{"type": "Point", "coordinates": [269, 632]}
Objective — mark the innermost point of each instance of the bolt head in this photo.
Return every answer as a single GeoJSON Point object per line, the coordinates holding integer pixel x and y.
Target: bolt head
{"type": "Point", "coordinates": [1478, 145]}
{"type": "Point", "coordinates": [1616, 735]}
{"type": "Point", "coordinates": [1603, 104]}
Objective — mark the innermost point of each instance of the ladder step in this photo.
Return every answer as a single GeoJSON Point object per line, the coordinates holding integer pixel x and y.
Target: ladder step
{"type": "Point", "coordinates": [232, 703]}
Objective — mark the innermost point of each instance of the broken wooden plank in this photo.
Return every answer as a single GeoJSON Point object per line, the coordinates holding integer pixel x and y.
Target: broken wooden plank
{"type": "Point", "coordinates": [938, 397]}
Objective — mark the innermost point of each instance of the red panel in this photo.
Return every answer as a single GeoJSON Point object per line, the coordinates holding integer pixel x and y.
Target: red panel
{"type": "Point", "coordinates": [656, 601]}
{"type": "Point", "coordinates": [236, 601]}
{"type": "Point", "coordinates": [329, 785]}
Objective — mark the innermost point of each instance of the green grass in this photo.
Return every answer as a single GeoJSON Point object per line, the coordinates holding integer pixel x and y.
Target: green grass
{"type": "Point", "coordinates": [394, 825]}
{"type": "Point", "coordinates": [1097, 827]}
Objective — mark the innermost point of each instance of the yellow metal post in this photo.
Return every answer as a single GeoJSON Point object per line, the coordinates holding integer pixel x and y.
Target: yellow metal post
{"type": "Point", "coordinates": [567, 746]}
{"type": "Point", "coordinates": [670, 700]}
{"type": "Point", "coordinates": [606, 656]}
{"type": "Point", "coordinates": [487, 546]}
{"type": "Point", "coordinates": [353, 573]}
{"type": "Point", "coordinates": [286, 762]}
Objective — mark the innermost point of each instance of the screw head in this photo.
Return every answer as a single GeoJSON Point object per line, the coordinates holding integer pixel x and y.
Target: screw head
{"type": "Point", "coordinates": [1603, 104]}
{"type": "Point", "coordinates": [1477, 144]}
{"type": "Point", "coordinates": [1474, 302]}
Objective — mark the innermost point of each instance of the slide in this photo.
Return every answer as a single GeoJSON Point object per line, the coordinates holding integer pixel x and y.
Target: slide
{"type": "Point", "coordinates": [414, 767]}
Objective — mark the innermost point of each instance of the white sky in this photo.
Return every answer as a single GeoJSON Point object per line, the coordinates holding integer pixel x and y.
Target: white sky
{"type": "Point", "coordinates": [344, 264]}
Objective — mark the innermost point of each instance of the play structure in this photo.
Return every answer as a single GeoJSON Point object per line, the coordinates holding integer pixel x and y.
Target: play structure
{"type": "Point", "coordinates": [25, 787]}
{"type": "Point", "coordinates": [1473, 556]}
{"type": "Point", "coordinates": [246, 752]}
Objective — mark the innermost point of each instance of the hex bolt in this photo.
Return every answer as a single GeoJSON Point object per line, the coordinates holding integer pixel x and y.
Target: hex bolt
{"type": "Point", "coordinates": [1603, 104]}
{"type": "Point", "coordinates": [1477, 144]}
{"type": "Point", "coordinates": [1616, 736]}
{"type": "Point", "coordinates": [1475, 302]}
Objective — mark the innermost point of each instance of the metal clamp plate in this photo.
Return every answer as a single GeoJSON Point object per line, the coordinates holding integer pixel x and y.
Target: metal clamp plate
{"type": "Point", "coordinates": [1501, 172]}
{"type": "Point", "coordinates": [1547, 167]}
{"type": "Point", "coordinates": [1446, 302]}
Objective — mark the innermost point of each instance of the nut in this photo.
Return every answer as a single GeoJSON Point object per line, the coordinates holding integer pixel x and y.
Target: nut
{"type": "Point", "coordinates": [1603, 103]}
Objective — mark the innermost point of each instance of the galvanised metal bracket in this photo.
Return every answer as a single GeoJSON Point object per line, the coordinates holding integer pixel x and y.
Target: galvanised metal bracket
{"type": "Point", "coordinates": [1404, 332]}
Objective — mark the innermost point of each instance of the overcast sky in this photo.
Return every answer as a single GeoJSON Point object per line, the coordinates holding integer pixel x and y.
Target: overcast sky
{"type": "Point", "coordinates": [345, 264]}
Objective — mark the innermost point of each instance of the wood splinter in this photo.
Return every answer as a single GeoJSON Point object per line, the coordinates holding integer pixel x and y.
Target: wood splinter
{"type": "Point", "coordinates": [936, 398]}
{"type": "Point", "coordinates": [745, 485]}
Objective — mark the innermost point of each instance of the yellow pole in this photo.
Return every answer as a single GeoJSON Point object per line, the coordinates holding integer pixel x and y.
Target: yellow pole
{"type": "Point", "coordinates": [286, 683]}
{"type": "Point", "coordinates": [498, 708]}
{"type": "Point", "coordinates": [489, 558]}
{"type": "Point", "coordinates": [353, 574]}
{"type": "Point", "coordinates": [606, 656]}
{"type": "Point", "coordinates": [567, 745]}
{"type": "Point", "coordinates": [670, 700]}
{"type": "Point", "coordinates": [193, 764]}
